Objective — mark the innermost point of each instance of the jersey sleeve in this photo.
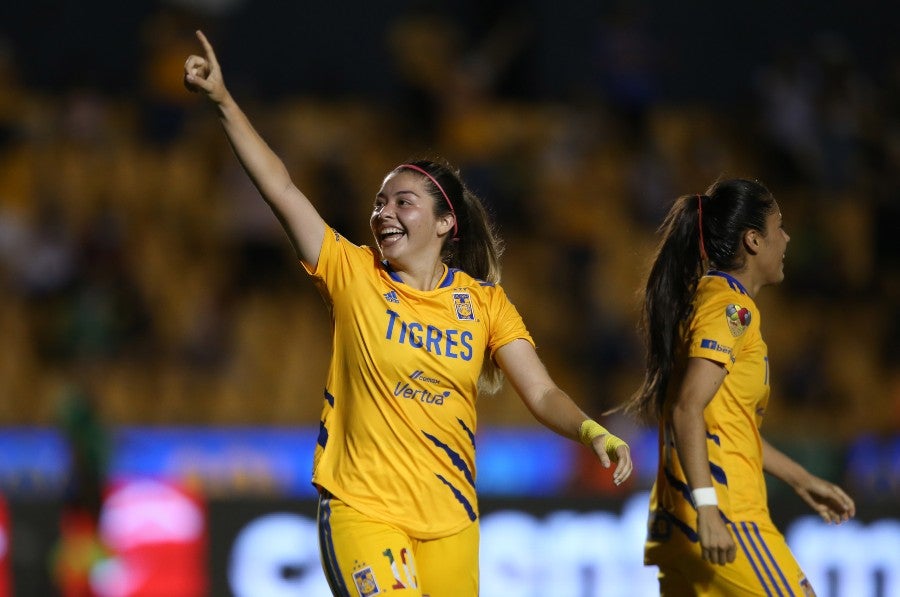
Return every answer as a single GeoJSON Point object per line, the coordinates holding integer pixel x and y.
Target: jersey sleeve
{"type": "Point", "coordinates": [506, 323]}
{"type": "Point", "coordinates": [719, 328]}
{"type": "Point", "coordinates": [338, 260]}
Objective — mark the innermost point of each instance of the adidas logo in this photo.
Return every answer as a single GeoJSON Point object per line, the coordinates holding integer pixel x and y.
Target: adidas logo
{"type": "Point", "coordinates": [391, 297]}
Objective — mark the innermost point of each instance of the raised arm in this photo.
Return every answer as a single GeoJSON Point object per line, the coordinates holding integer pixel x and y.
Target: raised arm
{"type": "Point", "coordinates": [554, 408]}
{"type": "Point", "coordinates": [301, 221]}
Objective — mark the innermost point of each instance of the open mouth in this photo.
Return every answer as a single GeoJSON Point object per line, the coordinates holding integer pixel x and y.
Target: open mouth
{"type": "Point", "coordinates": [390, 235]}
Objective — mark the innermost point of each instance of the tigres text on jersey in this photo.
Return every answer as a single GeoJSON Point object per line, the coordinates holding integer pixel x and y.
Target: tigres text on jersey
{"type": "Point", "coordinates": [397, 433]}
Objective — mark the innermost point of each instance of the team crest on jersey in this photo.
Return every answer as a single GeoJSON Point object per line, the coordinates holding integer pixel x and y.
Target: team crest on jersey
{"type": "Point", "coordinates": [365, 582]}
{"type": "Point", "coordinates": [462, 304]}
{"type": "Point", "coordinates": [738, 319]}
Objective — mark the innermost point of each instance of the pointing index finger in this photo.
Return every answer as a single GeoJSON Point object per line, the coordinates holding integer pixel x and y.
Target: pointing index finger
{"type": "Point", "coordinates": [207, 47]}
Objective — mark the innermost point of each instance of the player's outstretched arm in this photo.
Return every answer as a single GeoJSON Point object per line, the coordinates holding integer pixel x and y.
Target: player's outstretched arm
{"type": "Point", "coordinates": [305, 228]}
{"type": "Point", "coordinates": [830, 501]}
{"type": "Point", "coordinates": [556, 410]}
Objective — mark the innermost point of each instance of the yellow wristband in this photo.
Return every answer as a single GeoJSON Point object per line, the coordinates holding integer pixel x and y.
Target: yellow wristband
{"type": "Point", "coordinates": [590, 429]}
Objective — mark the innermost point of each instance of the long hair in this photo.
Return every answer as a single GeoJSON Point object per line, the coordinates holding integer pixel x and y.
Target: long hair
{"type": "Point", "coordinates": [476, 247]}
{"type": "Point", "coordinates": [719, 219]}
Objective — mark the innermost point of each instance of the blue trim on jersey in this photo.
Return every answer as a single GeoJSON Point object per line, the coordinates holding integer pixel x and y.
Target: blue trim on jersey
{"type": "Point", "coordinates": [714, 437]}
{"type": "Point", "coordinates": [682, 526]}
{"type": "Point", "coordinates": [732, 281]}
{"type": "Point", "coordinates": [685, 491]}
{"type": "Point", "coordinates": [760, 559]}
{"type": "Point", "coordinates": [390, 271]}
{"type": "Point", "coordinates": [759, 577]}
{"type": "Point", "coordinates": [460, 497]}
{"type": "Point", "coordinates": [678, 484]}
{"type": "Point", "coordinates": [455, 458]}
{"type": "Point", "coordinates": [772, 559]}
{"type": "Point", "coordinates": [467, 430]}
{"type": "Point", "coordinates": [322, 439]}
{"type": "Point", "coordinates": [448, 279]}
{"type": "Point", "coordinates": [326, 549]}
{"type": "Point", "coordinates": [323, 434]}
{"type": "Point", "coordinates": [718, 473]}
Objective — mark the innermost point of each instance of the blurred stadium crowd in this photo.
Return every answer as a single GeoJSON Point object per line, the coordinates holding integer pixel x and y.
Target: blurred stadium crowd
{"type": "Point", "coordinates": [138, 264]}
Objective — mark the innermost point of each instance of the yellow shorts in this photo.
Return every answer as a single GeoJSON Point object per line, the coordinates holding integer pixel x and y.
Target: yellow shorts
{"type": "Point", "coordinates": [764, 565]}
{"type": "Point", "coordinates": [363, 557]}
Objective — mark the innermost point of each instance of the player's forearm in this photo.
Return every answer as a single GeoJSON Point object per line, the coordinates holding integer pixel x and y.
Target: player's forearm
{"type": "Point", "coordinates": [690, 443]}
{"type": "Point", "coordinates": [558, 412]}
{"type": "Point", "coordinates": [263, 166]}
{"type": "Point", "coordinates": [701, 382]}
{"type": "Point", "coordinates": [780, 465]}
{"type": "Point", "coordinates": [297, 215]}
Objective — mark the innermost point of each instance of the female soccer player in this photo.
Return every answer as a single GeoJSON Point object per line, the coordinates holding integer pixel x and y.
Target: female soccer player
{"type": "Point", "coordinates": [707, 383]}
{"type": "Point", "coordinates": [416, 321]}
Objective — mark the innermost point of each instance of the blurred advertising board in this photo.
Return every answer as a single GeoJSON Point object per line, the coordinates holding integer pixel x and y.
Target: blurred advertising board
{"type": "Point", "coordinates": [530, 547]}
{"type": "Point", "coordinates": [234, 462]}
{"type": "Point", "coordinates": [538, 548]}
{"type": "Point", "coordinates": [230, 511]}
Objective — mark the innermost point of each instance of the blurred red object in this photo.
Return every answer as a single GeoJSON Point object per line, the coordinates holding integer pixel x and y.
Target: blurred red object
{"type": "Point", "coordinates": [5, 573]}
{"type": "Point", "coordinates": [156, 534]}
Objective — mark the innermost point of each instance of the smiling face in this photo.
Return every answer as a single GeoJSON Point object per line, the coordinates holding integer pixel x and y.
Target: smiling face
{"type": "Point", "coordinates": [403, 221]}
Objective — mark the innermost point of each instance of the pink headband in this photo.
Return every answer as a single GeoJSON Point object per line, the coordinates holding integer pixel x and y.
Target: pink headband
{"type": "Point", "coordinates": [703, 254]}
{"type": "Point", "coordinates": [440, 188]}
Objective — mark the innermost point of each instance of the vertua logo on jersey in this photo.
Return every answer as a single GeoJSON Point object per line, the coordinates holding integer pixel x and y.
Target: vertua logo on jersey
{"type": "Point", "coordinates": [462, 304]}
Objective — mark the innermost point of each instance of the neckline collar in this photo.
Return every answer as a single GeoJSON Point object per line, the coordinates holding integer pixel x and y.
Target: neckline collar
{"type": "Point", "coordinates": [446, 277]}
{"type": "Point", "coordinates": [732, 281]}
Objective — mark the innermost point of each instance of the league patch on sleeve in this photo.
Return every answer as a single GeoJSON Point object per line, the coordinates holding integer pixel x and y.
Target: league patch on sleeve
{"type": "Point", "coordinates": [738, 319]}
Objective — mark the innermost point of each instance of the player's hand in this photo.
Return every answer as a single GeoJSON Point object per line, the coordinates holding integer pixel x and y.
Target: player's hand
{"type": "Point", "coordinates": [621, 456]}
{"type": "Point", "coordinates": [202, 73]}
{"type": "Point", "coordinates": [827, 499]}
{"type": "Point", "coordinates": [716, 543]}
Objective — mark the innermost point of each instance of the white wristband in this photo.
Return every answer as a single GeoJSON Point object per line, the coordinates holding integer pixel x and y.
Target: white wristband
{"type": "Point", "coordinates": [705, 496]}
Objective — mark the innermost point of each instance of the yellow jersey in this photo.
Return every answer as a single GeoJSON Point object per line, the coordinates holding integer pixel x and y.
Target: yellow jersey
{"type": "Point", "coordinates": [724, 327]}
{"type": "Point", "coordinates": [397, 433]}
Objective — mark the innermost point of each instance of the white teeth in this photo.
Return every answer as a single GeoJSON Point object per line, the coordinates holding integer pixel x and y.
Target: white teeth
{"type": "Point", "coordinates": [389, 232]}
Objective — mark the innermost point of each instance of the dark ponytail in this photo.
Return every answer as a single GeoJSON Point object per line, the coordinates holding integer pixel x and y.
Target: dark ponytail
{"type": "Point", "coordinates": [677, 266]}
{"type": "Point", "coordinates": [719, 218]}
